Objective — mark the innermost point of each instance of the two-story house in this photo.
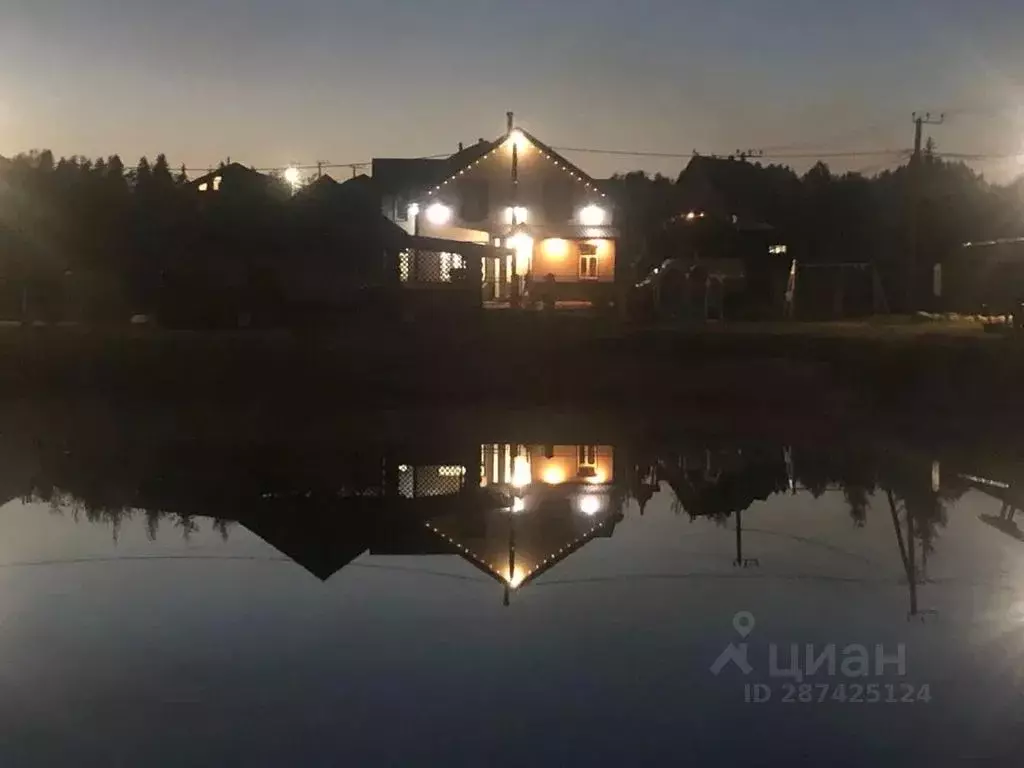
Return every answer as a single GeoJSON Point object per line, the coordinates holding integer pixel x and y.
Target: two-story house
{"type": "Point", "coordinates": [549, 225]}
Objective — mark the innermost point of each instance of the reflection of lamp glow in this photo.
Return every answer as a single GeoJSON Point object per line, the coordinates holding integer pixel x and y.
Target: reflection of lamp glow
{"type": "Point", "coordinates": [515, 578]}
{"type": "Point", "coordinates": [598, 478]}
{"type": "Point", "coordinates": [521, 472]}
{"type": "Point", "coordinates": [518, 505]}
{"type": "Point", "coordinates": [590, 505]}
{"type": "Point", "coordinates": [554, 476]}
{"type": "Point", "coordinates": [413, 211]}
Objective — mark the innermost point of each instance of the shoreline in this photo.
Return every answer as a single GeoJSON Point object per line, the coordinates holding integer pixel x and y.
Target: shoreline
{"type": "Point", "coordinates": [845, 372]}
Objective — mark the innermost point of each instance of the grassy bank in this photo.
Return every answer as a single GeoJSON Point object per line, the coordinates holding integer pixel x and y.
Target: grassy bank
{"type": "Point", "coordinates": [954, 370]}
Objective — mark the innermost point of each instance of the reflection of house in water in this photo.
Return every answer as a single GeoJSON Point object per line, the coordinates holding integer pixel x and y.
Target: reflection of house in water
{"type": "Point", "coordinates": [523, 511]}
{"type": "Point", "coordinates": [545, 503]}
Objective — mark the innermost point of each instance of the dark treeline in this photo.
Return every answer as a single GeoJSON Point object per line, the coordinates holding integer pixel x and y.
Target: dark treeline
{"type": "Point", "coordinates": [94, 240]}
{"type": "Point", "coordinates": [98, 241]}
{"type": "Point", "coordinates": [828, 217]}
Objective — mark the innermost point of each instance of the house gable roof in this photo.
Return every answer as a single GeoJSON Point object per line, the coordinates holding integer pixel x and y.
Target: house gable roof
{"type": "Point", "coordinates": [431, 175]}
{"type": "Point", "coordinates": [539, 545]}
{"type": "Point", "coordinates": [464, 161]}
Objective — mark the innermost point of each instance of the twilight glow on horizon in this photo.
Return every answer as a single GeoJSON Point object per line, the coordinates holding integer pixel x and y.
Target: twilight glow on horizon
{"type": "Point", "coordinates": [275, 83]}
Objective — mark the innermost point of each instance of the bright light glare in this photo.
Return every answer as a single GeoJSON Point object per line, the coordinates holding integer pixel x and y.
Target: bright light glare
{"type": "Point", "coordinates": [518, 505]}
{"type": "Point", "coordinates": [521, 476]}
{"type": "Point", "coordinates": [517, 140]}
{"type": "Point", "coordinates": [554, 476]}
{"type": "Point", "coordinates": [590, 505]}
{"type": "Point", "coordinates": [556, 248]}
{"type": "Point", "coordinates": [592, 216]}
{"type": "Point", "coordinates": [439, 214]}
{"type": "Point", "coordinates": [292, 176]}
{"type": "Point", "coordinates": [522, 244]}
{"type": "Point", "coordinates": [414, 210]}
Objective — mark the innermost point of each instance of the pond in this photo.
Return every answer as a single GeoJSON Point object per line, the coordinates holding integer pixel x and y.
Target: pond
{"type": "Point", "coordinates": [507, 592]}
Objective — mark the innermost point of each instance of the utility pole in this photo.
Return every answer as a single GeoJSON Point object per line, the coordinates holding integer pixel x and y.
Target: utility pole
{"type": "Point", "coordinates": [916, 184]}
{"type": "Point", "coordinates": [515, 287]}
{"type": "Point", "coordinates": [320, 168]}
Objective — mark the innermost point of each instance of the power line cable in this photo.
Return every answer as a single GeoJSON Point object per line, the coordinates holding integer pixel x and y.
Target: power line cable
{"type": "Point", "coordinates": [776, 156]}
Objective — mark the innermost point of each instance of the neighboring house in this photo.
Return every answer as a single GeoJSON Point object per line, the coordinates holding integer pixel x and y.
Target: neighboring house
{"type": "Point", "coordinates": [721, 254]}
{"type": "Point", "coordinates": [549, 222]}
{"type": "Point", "coordinates": [338, 241]}
{"type": "Point", "coordinates": [235, 178]}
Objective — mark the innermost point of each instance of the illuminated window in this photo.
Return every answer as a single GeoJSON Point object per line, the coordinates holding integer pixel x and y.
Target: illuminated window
{"type": "Point", "coordinates": [776, 250]}
{"type": "Point", "coordinates": [452, 471]}
{"type": "Point", "coordinates": [588, 456]}
{"type": "Point", "coordinates": [588, 261]}
{"type": "Point", "coordinates": [587, 462]}
{"type": "Point", "coordinates": [203, 187]}
{"type": "Point", "coordinates": [516, 215]}
{"type": "Point", "coordinates": [216, 183]}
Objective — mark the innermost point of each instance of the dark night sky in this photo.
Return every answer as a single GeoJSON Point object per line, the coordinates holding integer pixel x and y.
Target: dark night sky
{"type": "Point", "coordinates": [270, 82]}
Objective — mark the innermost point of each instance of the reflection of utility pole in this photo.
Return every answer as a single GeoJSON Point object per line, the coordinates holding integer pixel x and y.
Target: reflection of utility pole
{"type": "Point", "coordinates": [907, 553]}
{"type": "Point", "coordinates": [912, 567]}
{"type": "Point", "coordinates": [511, 557]}
{"type": "Point", "coordinates": [514, 204]}
{"type": "Point", "coordinates": [787, 455]}
{"type": "Point", "coordinates": [916, 178]}
{"type": "Point", "coordinates": [740, 560]}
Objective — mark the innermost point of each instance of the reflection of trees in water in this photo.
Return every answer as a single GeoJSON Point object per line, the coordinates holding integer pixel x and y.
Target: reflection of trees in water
{"type": "Point", "coordinates": [728, 482]}
{"type": "Point", "coordinates": [79, 509]}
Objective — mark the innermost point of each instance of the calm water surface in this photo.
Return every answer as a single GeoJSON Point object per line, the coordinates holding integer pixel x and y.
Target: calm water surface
{"type": "Point", "coordinates": [475, 600]}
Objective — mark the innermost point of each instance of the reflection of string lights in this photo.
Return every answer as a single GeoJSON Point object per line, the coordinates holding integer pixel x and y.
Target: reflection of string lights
{"type": "Point", "coordinates": [519, 575]}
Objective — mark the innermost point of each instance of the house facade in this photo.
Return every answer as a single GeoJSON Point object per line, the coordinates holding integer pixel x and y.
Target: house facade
{"type": "Point", "coordinates": [549, 226]}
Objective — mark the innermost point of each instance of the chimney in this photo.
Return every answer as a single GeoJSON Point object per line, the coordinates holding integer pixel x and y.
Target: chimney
{"type": "Point", "coordinates": [460, 146]}
{"type": "Point", "coordinates": [511, 121]}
